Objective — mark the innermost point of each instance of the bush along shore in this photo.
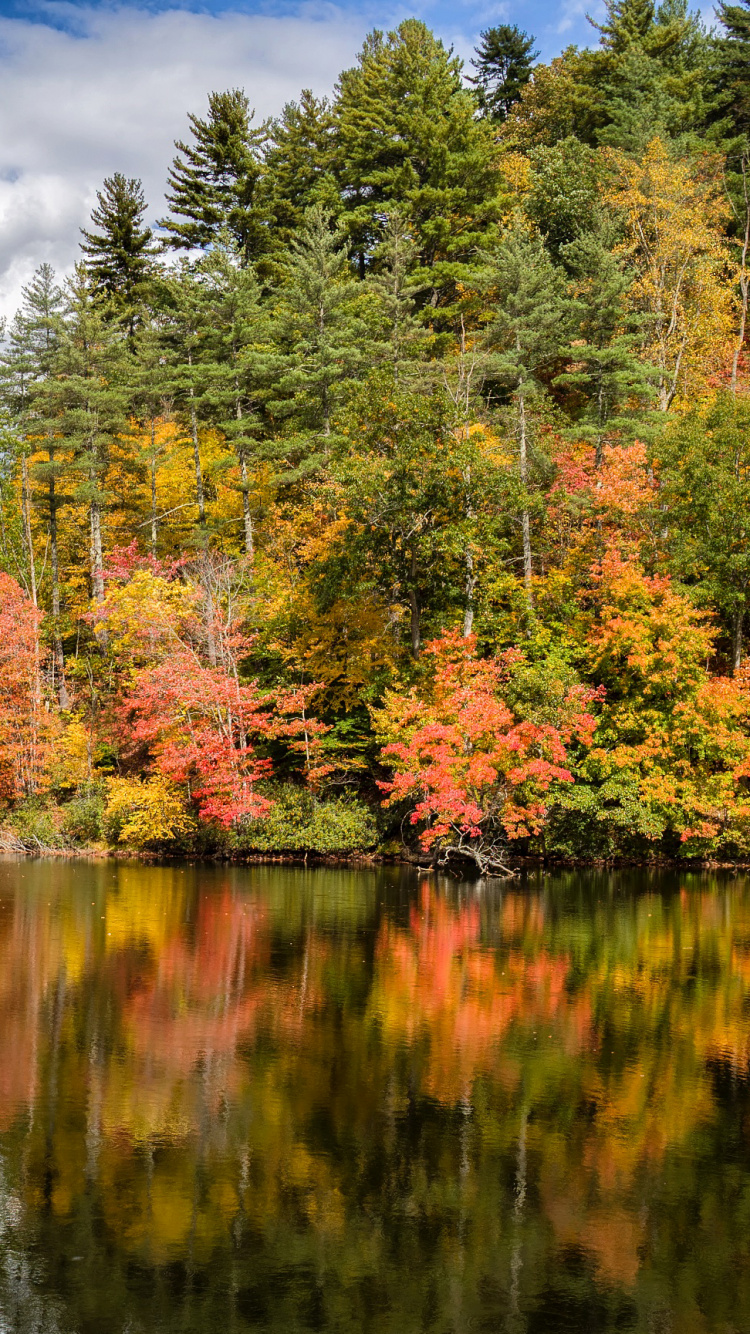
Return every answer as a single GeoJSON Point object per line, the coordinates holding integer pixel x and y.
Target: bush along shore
{"type": "Point", "coordinates": [367, 504]}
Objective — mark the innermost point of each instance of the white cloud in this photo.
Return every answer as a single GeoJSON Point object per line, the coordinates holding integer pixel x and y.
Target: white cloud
{"type": "Point", "coordinates": [112, 94]}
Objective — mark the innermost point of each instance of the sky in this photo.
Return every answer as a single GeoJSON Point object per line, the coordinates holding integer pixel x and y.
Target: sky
{"type": "Point", "coordinates": [93, 88]}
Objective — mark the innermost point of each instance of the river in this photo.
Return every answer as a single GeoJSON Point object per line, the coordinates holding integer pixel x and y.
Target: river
{"type": "Point", "coordinates": [274, 1099]}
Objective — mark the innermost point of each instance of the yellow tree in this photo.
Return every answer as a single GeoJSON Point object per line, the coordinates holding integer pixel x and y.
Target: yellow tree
{"type": "Point", "coordinates": [674, 215]}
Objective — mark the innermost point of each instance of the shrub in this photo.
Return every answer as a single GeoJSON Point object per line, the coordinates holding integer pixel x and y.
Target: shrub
{"type": "Point", "coordinates": [300, 822]}
{"type": "Point", "coordinates": [82, 818]}
{"type": "Point", "coordinates": [145, 814]}
{"type": "Point", "coordinates": [36, 825]}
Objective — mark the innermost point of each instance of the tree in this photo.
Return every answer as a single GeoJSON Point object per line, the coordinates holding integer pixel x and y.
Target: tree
{"type": "Point", "coordinates": [322, 337]}
{"type": "Point", "coordinates": [473, 774]}
{"type": "Point", "coordinates": [25, 726]}
{"type": "Point", "coordinates": [27, 363]}
{"type": "Point", "coordinates": [238, 364]}
{"type": "Point", "coordinates": [85, 403]}
{"type": "Point", "coordinates": [525, 333]}
{"type": "Point", "coordinates": [406, 136]}
{"type": "Point", "coordinates": [704, 476]}
{"type": "Point", "coordinates": [119, 255]}
{"type": "Point", "coordinates": [505, 57]}
{"type": "Point", "coordinates": [213, 181]}
{"type": "Point", "coordinates": [733, 51]}
{"type": "Point", "coordinates": [604, 363]}
{"type": "Point", "coordinates": [675, 244]}
{"type": "Point", "coordinates": [297, 167]}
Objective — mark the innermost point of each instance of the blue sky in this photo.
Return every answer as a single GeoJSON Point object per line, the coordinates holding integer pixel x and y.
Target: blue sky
{"type": "Point", "coordinates": [90, 88]}
{"type": "Point", "coordinates": [555, 24]}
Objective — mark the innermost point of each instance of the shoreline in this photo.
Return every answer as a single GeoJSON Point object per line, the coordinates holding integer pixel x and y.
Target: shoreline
{"type": "Point", "coordinates": [363, 860]}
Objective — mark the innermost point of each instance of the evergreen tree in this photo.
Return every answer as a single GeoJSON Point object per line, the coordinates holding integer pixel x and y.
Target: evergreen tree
{"type": "Point", "coordinates": [27, 361]}
{"type": "Point", "coordinates": [407, 136]}
{"type": "Point", "coordinates": [616, 387]}
{"type": "Point", "coordinates": [525, 335]}
{"type": "Point", "coordinates": [86, 402]}
{"type": "Point", "coordinates": [119, 253]}
{"type": "Point", "coordinates": [213, 182]}
{"type": "Point", "coordinates": [733, 59]}
{"type": "Point", "coordinates": [322, 335]}
{"type": "Point", "coordinates": [403, 337]}
{"type": "Point", "coordinates": [237, 366]}
{"type": "Point", "coordinates": [297, 166]}
{"type": "Point", "coordinates": [505, 56]}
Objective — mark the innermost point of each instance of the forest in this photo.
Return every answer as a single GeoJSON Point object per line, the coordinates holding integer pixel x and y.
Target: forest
{"type": "Point", "coordinates": [391, 495]}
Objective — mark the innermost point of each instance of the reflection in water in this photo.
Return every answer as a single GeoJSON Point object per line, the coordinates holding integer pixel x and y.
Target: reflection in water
{"type": "Point", "coordinates": [265, 1099]}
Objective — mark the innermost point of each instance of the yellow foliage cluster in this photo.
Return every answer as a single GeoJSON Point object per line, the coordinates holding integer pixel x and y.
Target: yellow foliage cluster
{"type": "Point", "coordinates": [146, 812]}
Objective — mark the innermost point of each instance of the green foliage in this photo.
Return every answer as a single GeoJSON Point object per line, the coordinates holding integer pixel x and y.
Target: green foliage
{"type": "Point", "coordinates": [82, 818]}
{"type": "Point", "coordinates": [37, 824]}
{"type": "Point", "coordinates": [505, 56]}
{"type": "Point", "coordinates": [301, 822]}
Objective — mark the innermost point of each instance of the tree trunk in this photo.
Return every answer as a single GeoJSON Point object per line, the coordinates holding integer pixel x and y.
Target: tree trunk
{"type": "Point", "coordinates": [469, 586]}
{"type": "Point", "coordinates": [26, 518]}
{"type": "Point", "coordinates": [247, 516]}
{"type": "Point", "coordinates": [525, 517]}
{"type": "Point", "coordinates": [154, 526]}
{"type": "Point", "coordinates": [737, 628]}
{"type": "Point", "coordinates": [97, 559]}
{"type": "Point", "coordinates": [197, 455]}
{"type": "Point", "coordinates": [744, 278]}
{"type": "Point", "coordinates": [57, 645]}
{"type": "Point", "coordinates": [416, 639]}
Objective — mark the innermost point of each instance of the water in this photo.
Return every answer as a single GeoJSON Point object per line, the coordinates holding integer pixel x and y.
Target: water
{"type": "Point", "coordinates": [284, 1100]}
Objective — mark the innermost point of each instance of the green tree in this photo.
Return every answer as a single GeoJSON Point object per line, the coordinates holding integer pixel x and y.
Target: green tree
{"type": "Point", "coordinates": [526, 333]}
{"type": "Point", "coordinates": [613, 387]}
{"type": "Point", "coordinates": [505, 56]}
{"type": "Point", "coordinates": [119, 254]}
{"type": "Point", "coordinates": [213, 181]}
{"type": "Point", "coordinates": [237, 365]}
{"type": "Point", "coordinates": [27, 361]}
{"type": "Point", "coordinates": [322, 338]}
{"type": "Point", "coordinates": [86, 401]}
{"type": "Point", "coordinates": [704, 471]}
{"type": "Point", "coordinates": [297, 166]}
{"type": "Point", "coordinates": [407, 136]}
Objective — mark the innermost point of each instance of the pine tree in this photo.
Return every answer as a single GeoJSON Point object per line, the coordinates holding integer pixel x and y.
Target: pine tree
{"type": "Point", "coordinates": [396, 292]}
{"type": "Point", "coordinates": [733, 52]}
{"type": "Point", "coordinates": [26, 364]}
{"type": "Point", "coordinates": [608, 372]}
{"type": "Point", "coordinates": [86, 401]}
{"type": "Point", "coordinates": [407, 136]}
{"type": "Point", "coordinates": [323, 338]}
{"type": "Point", "coordinates": [525, 335]}
{"type": "Point", "coordinates": [213, 182]}
{"type": "Point", "coordinates": [297, 166]}
{"type": "Point", "coordinates": [505, 57]}
{"type": "Point", "coordinates": [119, 254]}
{"type": "Point", "coordinates": [238, 365]}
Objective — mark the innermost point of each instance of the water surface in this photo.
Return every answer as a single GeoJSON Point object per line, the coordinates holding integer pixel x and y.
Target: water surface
{"type": "Point", "coordinates": [274, 1099]}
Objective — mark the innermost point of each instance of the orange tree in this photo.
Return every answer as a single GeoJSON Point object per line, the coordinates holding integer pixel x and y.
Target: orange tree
{"type": "Point", "coordinates": [473, 771]}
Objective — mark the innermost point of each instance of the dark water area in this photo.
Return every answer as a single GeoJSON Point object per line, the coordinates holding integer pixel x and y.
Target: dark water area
{"type": "Point", "coordinates": [253, 1099]}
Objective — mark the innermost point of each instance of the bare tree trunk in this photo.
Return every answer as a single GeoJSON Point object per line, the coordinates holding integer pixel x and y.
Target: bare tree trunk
{"type": "Point", "coordinates": [416, 639]}
{"type": "Point", "coordinates": [744, 278]}
{"type": "Point", "coordinates": [197, 455]}
{"type": "Point", "coordinates": [247, 516]}
{"type": "Point", "coordinates": [97, 559]}
{"type": "Point", "coordinates": [737, 628]}
{"type": "Point", "coordinates": [525, 517]}
{"type": "Point", "coordinates": [27, 535]}
{"type": "Point", "coordinates": [57, 645]}
{"type": "Point", "coordinates": [154, 525]}
{"type": "Point", "coordinates": [469, 586]}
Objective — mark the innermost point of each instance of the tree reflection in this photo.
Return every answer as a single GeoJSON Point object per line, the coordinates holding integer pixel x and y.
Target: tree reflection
{"type": "Point", "coordinates": [447, 1101]}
